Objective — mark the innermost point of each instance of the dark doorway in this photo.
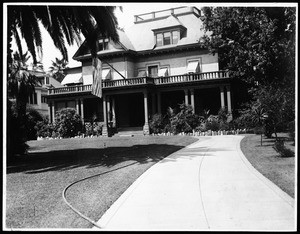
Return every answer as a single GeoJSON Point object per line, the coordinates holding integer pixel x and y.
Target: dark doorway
{"type": "Point", "coordinates": [207, 99]}
{"type": "Point", "coordinates": [130, 110]}
{"type": "Point", "coordinates": [171, 99]}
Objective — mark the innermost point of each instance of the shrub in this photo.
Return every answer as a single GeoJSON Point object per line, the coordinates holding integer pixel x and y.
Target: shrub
{"type": "Point", "coordinates": [212, 124]}
{"type": "Point", "coordinates": [185, 120]}
{"type": "Point", "coordinates": [44, 128]}
{"type": "Point", "coordinates": [32, 118]}
{"type": "Point", "coordinates": [92, 129]}
{"type": "Point", "coordinates": [68, 123]}
{"type": "Point", "coordinates": [282, 150]}
{"type": "Point", "coordinates": [291, 130]}
{"type": "Point", "coordinates": [156, 124]}
{"type": "Point", "coordinates": [258, 130]}
{"type": "Point", "coordinates": [97, 128]}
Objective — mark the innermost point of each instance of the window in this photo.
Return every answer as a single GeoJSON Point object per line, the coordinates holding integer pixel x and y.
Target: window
{"type": "Point", "coordinates": [193, 66]}
{"type": "Point", "coordinates": [103, 44]}
{"type": "Point", "coordinates": [153, 71]}
{"type": "Point", "coordinates": [44, 99]}
{"type": "Point", "coordinates": [47, 80]}
{"type": "Point", "coordinates": [163, 71]}
{"type": "Point", "coordinates": [159, 39]}
{"type": "Point", "coordinates": [106, 75]}
{"type": "Point", "coordinates": [175, 37]}
{"type": "Point", "coordinates": [142, 73]}
{"type": "Point", "coordinates": [32, 99]}
{"type": "Point", "coordinates": [167, 38]}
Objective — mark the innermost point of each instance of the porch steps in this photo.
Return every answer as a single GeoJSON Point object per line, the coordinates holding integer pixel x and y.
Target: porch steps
{"type": "Point", "coordinates": [130, 132]}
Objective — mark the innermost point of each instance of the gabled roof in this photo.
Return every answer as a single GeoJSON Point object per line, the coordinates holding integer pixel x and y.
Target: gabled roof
{"type": "Point", "coordinates": [124, 44]}
{"type": "Point", "coordinates": [140, 37]}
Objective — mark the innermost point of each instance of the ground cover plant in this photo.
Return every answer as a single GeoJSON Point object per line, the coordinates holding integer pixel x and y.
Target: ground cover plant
{"type": "Point", "coordinates": [278, 169]}
{"type": "Point", "coordinates": [34, 183]}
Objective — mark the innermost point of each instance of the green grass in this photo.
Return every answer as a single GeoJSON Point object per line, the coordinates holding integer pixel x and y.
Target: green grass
{"type": "Point", "coordinates": [34, 183]}
{"type": "Point", "coordinates": [280, 170]}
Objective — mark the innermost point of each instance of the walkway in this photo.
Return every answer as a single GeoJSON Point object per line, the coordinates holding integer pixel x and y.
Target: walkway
{"type": "Point", "coordinates": [208, 185]}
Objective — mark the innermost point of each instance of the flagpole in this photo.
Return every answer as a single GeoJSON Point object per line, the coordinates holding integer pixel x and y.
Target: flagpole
{"type": "Point", "coordinates": [114, 69]}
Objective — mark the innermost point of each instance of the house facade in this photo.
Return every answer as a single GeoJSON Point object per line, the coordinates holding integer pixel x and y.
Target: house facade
{"type": "Point", "coordinates": [38, 99]}
{"type": "Point", "coordinates": [158, 63]}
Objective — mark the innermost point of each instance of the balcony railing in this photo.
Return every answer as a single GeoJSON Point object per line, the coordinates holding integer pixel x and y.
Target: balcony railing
{"type": "Point", "coordinates": [71, 89]}
{"type": "Point", "coordinates": [191, 77]}
{"type": "Point", "coordinates": [127, 82]}
{"type": "Point", "coordinates": [139, 81]}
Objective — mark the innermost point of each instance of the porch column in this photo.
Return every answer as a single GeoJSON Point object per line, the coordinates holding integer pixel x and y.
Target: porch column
{"type": "Point", "coordinates": [104, 129]}
{"type": "Point", "coordinates": [159, 103]}
{"type": "Point", "coordinates": [146, 125]}
{"type": "Point", "coordinates": [192, 100]}
{"type": "Point", "coordinates": [153, 103]}
{"type": "Point", "coordinates": [222, 97]}
{"type": "Point", "coordinates": [77, 106]}
{"type": "Point", "coordinates": [108, 109]}
{"type": "Point", "coordinates": [49, 111]}
{"type": "Point", "coordinates": [186, 97]}
{"type": "Point", "coordinates": [228, 99]}
{"type": "Point", "coordinates": [53, 111]}
{"type": "Point", "coordinates": [82, 110]}
{"type": "Point", "coordinates": [113, 104]}
{"type": "Point", "coordinates": [229, 103]}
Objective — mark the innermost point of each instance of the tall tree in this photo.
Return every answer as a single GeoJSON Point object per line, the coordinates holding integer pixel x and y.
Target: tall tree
{"type": "Point", "coordinates": [254, 42]}
{"type": "Point", "coordinates": [63, 23]}
{"type": "Point", "coordinates": [57, 69]}
{"type": "Point", "coordinates": [258, 45]}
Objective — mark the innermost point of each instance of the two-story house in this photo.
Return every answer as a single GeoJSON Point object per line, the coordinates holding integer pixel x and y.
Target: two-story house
{"type": "Point", "coordinates": [158, 63]}
{"type": "Point", "coordinates": [38, 99]}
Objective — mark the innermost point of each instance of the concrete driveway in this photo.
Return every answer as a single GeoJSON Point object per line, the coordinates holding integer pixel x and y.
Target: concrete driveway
{"type": "Point", "coordinates": [208, 185]}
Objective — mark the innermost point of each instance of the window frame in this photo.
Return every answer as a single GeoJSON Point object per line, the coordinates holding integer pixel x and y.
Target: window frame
{"type": "Point", "coordinates": [164, 67]}
{"type": "Point", "coordinates": [171, 37]}
{"type": "Point", "coordinates": [104, 43]}
{"type": "Point", "coordinates": [152, 65]}
{"type": "Point", "coordinates": [199, 60]}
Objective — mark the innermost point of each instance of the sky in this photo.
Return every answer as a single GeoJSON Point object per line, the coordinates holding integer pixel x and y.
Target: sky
{"type": "Point", "coordinates": [125, 19]}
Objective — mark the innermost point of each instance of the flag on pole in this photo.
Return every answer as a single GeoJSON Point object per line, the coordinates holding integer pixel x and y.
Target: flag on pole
{"type": "Point", "coordinates": [97, 78]}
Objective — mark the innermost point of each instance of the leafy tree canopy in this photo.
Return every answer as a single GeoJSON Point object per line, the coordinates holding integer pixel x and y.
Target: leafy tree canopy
{"type": "Point", "coordinates": [257, 43]}
{"type": "Point", "coordinates": [62, 23]}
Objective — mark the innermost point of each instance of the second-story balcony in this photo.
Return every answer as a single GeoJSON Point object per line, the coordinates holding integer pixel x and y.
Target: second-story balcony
{"type": "Point", "coordinates": [144, 81]}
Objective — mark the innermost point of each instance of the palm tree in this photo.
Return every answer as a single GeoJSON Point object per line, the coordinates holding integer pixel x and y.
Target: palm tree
{"type": "Point", "coordinates": [21, 83]}
{"type": "Point", "coordinates": [57, 69]}
{"type": "Point", "coordinates": [61, 22]}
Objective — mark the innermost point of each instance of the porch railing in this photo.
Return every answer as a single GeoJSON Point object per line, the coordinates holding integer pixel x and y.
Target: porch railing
{"type": "Point", "coordinates": [71, 89]}
{"type": "Point", "coordinates": [127, 82]}
{"type": "Point", "coordinates": [191, 77]}
{"type": "Point", "coordinates": [143, 81]}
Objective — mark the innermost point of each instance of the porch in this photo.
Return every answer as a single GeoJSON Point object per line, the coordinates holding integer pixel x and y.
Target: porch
{"type": "Point", "coordinates": [131, 102]}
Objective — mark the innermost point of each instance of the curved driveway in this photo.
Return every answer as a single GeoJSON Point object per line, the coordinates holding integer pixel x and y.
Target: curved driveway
{"type": "Point", "coordinates": [208, 185]}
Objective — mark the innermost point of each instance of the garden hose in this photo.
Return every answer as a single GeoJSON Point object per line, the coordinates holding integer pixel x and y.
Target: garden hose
{"type": "Point", "coordinates": [86, 178]}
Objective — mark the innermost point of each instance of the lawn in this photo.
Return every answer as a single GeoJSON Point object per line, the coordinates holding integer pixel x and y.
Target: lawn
{"type": "Point", "coordinates": [280, 170]}
{"type": "Point", "coordinates": [34, 184]}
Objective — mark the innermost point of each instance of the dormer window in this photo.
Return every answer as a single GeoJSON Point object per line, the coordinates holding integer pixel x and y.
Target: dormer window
{"type": "Point", "coordinates": [103, 44]}
{"type": "Point", "coordinates": [167, 38]}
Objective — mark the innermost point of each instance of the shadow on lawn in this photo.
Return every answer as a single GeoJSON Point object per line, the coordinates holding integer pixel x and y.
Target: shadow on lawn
{"type": "Point", "coordinates": [59, 160]}
{"type": "Point", "coordinates": [37, 162]}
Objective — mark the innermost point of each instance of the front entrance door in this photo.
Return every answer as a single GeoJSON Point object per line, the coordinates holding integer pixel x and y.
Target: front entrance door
{"type": "Point", "coordinates": [129, 110]}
